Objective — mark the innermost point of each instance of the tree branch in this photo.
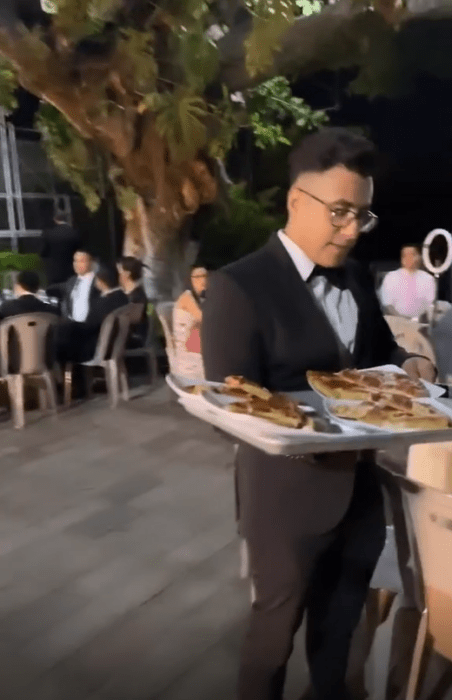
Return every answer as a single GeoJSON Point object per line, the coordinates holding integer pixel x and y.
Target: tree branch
{"type": "Point", "coordinates": [321, 41]}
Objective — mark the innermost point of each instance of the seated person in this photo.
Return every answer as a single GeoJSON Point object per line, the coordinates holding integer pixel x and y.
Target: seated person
{"type": "Point", "coordinates": [79, 292]}
{"type": "Point", "coordinates": [77, 341]}
{"type": "Point", "coordinates": [130, 276]}
{"type": "Point", "coordinates": [187, 317]}
{"type": "Point", "coordinates": [408, 291]}
{"type": "Point", "coordinates": [26, 302]}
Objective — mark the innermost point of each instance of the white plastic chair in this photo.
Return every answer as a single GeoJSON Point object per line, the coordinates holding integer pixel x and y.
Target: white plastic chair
{"type": "Point", "coordinates": [109, 355]}
{"type": "Point", "coordinates": [408, 335]}
{"type": "Point", "coordinates": [33, 335]}
{"type": "Point", "coordinates": [431, 515]}
{"type": "Point", "coordinates": [165, 314]}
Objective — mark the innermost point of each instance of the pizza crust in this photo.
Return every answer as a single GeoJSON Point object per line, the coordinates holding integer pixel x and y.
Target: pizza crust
{"type": "Point", "coordinates": [356, 385]}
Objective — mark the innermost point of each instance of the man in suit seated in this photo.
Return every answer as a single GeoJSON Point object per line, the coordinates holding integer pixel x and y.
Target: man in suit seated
{"type": "Point", "coordinates": [77, 340]}
{"type": "Point", "coordinates": [79, 292]}
{"type": "Point", "coordinates": [315, 524]}
{"type": "Point", "coordinates": [26, 302]}
{"type": "Point", "coordinates": [130, 276]}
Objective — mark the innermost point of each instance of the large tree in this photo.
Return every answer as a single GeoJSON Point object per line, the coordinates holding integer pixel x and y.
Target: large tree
{"type": "Point", "coordinates": [155, 90]}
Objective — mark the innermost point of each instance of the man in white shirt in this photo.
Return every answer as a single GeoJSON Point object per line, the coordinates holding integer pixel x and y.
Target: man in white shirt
{"type": "Point", "coordinates": [408, 291]}
{"type": "Point", "coordinates": [80, 290]}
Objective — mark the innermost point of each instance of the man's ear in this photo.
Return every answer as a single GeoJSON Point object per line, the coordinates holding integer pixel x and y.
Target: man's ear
{"type": "Point", "coordinates": [292, 200]}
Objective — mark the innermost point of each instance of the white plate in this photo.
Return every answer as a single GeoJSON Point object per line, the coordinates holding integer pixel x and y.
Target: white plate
{"type": "Point", "coordinates": [260, 425]}
{"type": "Point", "coordinates": [362, 426]}
{"type": "Point", "coordinates": [434, 390]}
{"type": "Point", "coordinates": [178, 384]}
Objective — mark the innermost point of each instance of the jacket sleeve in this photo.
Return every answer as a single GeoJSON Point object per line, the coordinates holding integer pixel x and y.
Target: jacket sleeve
{"type": "Point", "coordinates": [96, 315]}
{"type": "Point", "coordinates": [230, 337]}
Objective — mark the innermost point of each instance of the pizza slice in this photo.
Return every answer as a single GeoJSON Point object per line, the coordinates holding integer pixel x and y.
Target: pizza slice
{"type": "Point", "coordinates": [333, 385]}
{"type": "Point", "coordinates": [238, 386]}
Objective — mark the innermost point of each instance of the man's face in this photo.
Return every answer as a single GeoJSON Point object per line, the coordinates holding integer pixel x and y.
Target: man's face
{"type": "Point", "coordinates": [310, 223]}
{"type": "Point", "coordinates": [410, 259]}
{"type": "Point", "coordinates": [82, 263]}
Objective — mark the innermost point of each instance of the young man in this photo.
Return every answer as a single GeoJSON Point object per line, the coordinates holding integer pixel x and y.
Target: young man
{"type": "Point", "coordinates": [79, 292]}
{"type": "Point", "coordinates": [77, 341]}
{"type": "Point", "coordinates": [26, 302]}
{"type": "Point", "coordinates": [408, 291]}
{"type": "Point", "coordinates": [314, 525]}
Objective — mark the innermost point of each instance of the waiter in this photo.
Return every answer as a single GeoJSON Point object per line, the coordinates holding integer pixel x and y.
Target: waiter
{"type": "Point", "coordinates": [314, 525]}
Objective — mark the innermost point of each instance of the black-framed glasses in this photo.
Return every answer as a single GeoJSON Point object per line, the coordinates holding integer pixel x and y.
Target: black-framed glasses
{"type": "Point", "coordinates": [342, 216]}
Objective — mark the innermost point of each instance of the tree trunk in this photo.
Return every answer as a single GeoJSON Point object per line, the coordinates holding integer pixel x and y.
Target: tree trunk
{"type": "Point", "coordinates": [167, 261]}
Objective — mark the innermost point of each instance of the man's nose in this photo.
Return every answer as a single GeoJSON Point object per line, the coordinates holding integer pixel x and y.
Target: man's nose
{"type": "Point", "coordinates": [352, 230]}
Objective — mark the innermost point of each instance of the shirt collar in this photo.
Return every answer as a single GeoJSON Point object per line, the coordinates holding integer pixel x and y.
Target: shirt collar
{"type": "Point", "coordinates": [87, 278]}
{"type": "Point", "coordinates": [299, 258]}
{"type": "Point", "coordinates": [110, 291]}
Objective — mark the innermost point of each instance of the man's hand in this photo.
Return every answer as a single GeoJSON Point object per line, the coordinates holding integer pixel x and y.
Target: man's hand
{"type": "Point", "coordinates": [420, 368]}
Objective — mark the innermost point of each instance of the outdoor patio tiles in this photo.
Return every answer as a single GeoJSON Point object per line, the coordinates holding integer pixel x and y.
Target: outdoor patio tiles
{"type": "Point", "coordinates": [119, 560]}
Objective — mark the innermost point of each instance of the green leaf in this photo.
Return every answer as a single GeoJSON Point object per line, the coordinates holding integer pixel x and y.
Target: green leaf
{"type": "Point", "coordinates": [182, 123]}
{"type": "Point", "coordinates": [199, 57]}
{"type": "Point", "coordinates": [272, 18]}
{"type": "Point", "coordinates": [309, 7]}
{"type": "Point", "coordinates": [8, 86]}
{"type": "Point", "coordinates": [126, 198]}
{"type": "Point", "coordinates": [137, 50]}
{"type": "Point", "coordinates": [276, 116]}
{"type": "Point", "coordinates": [71, 155]}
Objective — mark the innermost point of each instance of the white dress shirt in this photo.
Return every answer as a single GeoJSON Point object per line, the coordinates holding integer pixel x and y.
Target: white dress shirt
{"type": "Point", "coordinates": [80, 297]}
{"type": "Point", "coordinates": [409, 293]}
{"type": "Point", "coordinates": [338, 305]}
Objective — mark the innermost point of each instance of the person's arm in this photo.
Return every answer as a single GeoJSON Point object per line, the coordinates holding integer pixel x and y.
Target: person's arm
{"type": "Point", "coordinates": [187, 303]}
{"type": "Point", "coordinates": [387, 294]}
{"type": "Point", "coordinates": [230, 337]}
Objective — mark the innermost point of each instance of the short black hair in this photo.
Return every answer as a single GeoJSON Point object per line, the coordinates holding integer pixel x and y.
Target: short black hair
{"type": "Point", "coordinates": [416, 246]}
{"type": "Point", "coordinates": [108, 275]}
{"type": "Point", "coordinates": [84, 252]}
{"type": "Point", "coordinates": [29, 280]}
{"type": "Point", "coordinates": [332, 146]}
{"type": "Point", "coordinates": [133, 266]}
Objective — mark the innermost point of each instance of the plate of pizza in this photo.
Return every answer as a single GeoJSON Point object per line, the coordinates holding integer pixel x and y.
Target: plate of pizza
{"type": "Point", "coordinates": [242, 400]}
{"type": "Point", "coordinates": [359, 385]}
{"type": "Point", "coordinates": [390, 413]}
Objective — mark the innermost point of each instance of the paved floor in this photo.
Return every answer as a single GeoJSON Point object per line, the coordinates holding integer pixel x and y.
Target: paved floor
{"type": "Point", "coordinates": [119, 560]}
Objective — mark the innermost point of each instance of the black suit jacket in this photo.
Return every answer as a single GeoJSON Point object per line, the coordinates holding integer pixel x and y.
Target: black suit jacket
{"type": "Point", "coordinates": [58, 246]}
{"type": "Point", "coordinates": [66, 291]}
{"type": "Point", "coordinates": [103, 306]}
{"type": "Point", "coordinates": [26, 304]}
{"type": "Point", "coordinates": [261, 321]}
{"type": "Point", "coordinates": [138, 296]}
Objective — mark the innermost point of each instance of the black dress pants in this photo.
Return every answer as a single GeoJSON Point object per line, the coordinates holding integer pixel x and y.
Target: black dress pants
{"type": "Point", "coordinates": [327, 576]}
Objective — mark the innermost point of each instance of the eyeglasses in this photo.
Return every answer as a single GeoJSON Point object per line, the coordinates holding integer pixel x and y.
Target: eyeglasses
{"type": "Point", "coordinates": [342, 216]}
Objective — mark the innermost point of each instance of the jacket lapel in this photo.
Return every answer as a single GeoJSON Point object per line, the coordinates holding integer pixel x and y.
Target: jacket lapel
{"type": "Point", "coordinates": [364, 327]}
{"type": "Point", "coordinates": [299, 295]}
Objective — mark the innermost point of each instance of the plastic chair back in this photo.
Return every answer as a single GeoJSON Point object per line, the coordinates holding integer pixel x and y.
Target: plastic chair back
{"type": "Point", "coordinates": [165, 314]}
{"type": "Point", "coordinates": [408, 335]}
{"type": "Point", "coordinates": [113, 334]}
{"type": "Point", "coordinates": [431, 515]}
{"type": "Point", "coordinates": [32, 335]}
